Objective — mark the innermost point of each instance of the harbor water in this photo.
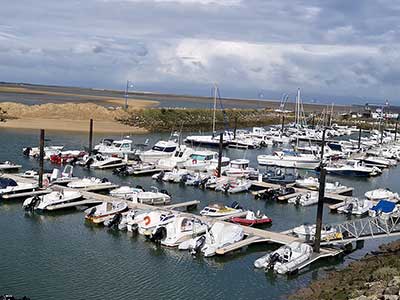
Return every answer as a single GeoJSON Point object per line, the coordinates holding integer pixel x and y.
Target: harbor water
{"type": "Point", "coordinates": [60, 256]}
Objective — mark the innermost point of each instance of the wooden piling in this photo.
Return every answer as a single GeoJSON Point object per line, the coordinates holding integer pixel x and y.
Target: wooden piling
{"type": "Point", "coordinates": [41, 158]}
{"type": "Point", "coordinates": [321, 196]}
{"type": "Point", "coordinates": [91, 136]}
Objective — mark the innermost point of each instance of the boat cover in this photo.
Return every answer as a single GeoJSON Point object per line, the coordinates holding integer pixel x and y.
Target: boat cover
{"type": "Point", "coordinates": [384, 206]}
{"type": "Point", "coordinates": [5, 182]}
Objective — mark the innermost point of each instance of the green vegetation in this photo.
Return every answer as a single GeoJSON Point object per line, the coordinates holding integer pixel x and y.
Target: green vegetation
{"type": "Point", "coordinates": [162, 119]}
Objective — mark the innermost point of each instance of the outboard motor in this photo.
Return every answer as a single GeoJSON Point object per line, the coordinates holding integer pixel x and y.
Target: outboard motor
{"type": "Point", "coordinates": [236, 205]}
{"type": "Point", "coordinates": [160, 176]}
{"type": "Point", "coordinates": [27, 151]}
{"type": "Point", "coordinates": [31, 205]}
{"type": "Point", "coordinates": [114, 222]}
{"type": "Point", "coordinates": [159, 234]}
{"type": "Point", "coordinates": [203, 182]}
{"type": "Point", "coordinates": [120, 170]}
{"type": "Point", "coordinates": [350, 208]}
{"type": "Point", "coordinates": [89, 161]}
{"type": "Point", "coordinates": [298, 198]}
{"type": "Point", "coordinates": [199, 245]}
{"type": "Point", "coordinates": [104, 180]}
{"type": "Point", "coordinates": [165, 192]}
{"type": "Point", "coordinates": [140, 187]}
{"type": "Point", "coordinates": [92, 212]}
{"type": "Point", "coordinates": [273, 260]}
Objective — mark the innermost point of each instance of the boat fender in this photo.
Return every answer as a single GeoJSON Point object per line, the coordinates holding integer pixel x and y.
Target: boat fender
{"type": "Point", "coordinates": [194, 161]}
{"type": "Point", "coordinates": [146, 220]}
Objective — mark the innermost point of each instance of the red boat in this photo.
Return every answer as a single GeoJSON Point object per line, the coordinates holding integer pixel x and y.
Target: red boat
{"type": "Point", "coordinates": [66, 157]}
{"type": "Point", "coordinates": [252, 219]}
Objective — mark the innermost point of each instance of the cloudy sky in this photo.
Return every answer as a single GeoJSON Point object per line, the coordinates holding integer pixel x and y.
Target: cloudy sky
{"type": "Point", "coordinates": [330, 48]}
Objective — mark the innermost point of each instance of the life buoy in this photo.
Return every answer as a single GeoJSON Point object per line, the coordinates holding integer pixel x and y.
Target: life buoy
{"type": "Point", "coordinates": [194, 161]}
{"type": "Point", "coordinates": [147, 220]}
{"type": "Point", "coordinates": [216, 172]}
{"type": "Point", "coordinates": [46, 182]}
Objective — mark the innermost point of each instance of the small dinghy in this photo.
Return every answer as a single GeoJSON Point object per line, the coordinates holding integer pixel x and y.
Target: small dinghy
{"type": "Point", "coordinates": [29, 174]}
{"type": "Point", "coordinates": [357, 207]}
{"type": "Point", "coordinates": [252, 219]}
{"type": "Point", "coordinates": [89, 182]}
{"type": "Point", "coordinates": [220, 235]}
{"type": "Point", "coordinates": [306, 199]}
{"type": "Point", "coordinates": [104, 211]}
{"type": "Point", "coordinates": [239, 186]}
{"type": "Point", "coordinates": [218, 210]}
{"type": "Point", "coordinates": [286, 259]}
{"type": "Point", "coordinates": [179, 230]}
{"type": "Point", "coordinates": [45, 202]}
{"type": "Point", "coordinates": [382, 194]}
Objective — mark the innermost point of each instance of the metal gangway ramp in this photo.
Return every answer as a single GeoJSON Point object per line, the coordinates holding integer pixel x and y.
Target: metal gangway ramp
{"type": "Point", "coordinates": [362, 229]}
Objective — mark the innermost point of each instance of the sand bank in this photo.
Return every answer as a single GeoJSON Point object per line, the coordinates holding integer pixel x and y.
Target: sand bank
{"type": "Point", "coordinates": [70, 125]}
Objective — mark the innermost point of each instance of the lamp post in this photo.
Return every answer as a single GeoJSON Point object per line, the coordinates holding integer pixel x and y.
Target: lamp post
{"type": "Point", "coordinates": [128, 85]}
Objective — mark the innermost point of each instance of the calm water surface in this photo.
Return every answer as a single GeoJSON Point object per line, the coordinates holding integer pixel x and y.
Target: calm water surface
{"type": "Point", "coordinates": [59, 256]}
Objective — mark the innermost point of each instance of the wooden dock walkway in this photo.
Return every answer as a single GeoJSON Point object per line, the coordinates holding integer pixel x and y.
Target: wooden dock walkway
{"type": "Point", "coordinates": [26, 194]}
{"type": "Point", "coordinates": [253, 235]}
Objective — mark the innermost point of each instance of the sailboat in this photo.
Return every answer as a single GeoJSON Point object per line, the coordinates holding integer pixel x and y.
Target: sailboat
{"type": "Point", "coordinates": [208, 140]}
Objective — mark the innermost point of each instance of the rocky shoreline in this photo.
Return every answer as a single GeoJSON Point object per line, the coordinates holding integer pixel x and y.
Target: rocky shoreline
{"type": "Point", "coordinates": [374, 277]}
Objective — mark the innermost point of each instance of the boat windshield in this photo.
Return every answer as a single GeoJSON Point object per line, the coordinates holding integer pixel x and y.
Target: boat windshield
{"type": "Point", "coordinates": [198, 157]}
{"type": "Point", "coordinates": [163, 149]}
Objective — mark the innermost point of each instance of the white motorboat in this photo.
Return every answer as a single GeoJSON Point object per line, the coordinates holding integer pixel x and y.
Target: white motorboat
{"type": "Point", "coordinates": [174, 176]}
{"type": "Point", "coordinates": [357, 207]}
{"type": "Point", "coordinates": [378, 161]}
{"type": "Point", "coordinates": [9, 166]}
{"type": "Point", "coordinates": [65, 177]}
{"type": "Point", "coordinates": [220, 235]}
{"type": "Point", "coordinates": [353, 168]}
{"type": "Point", "coordinates": [238, 186]}
{"type": "Point", "coordinates": [153, 197]}
{"type": "Point", "coordinates": [311, 183]}
{"type": "Point", "coordinates": [10, 186]}
{"type": "Point", "coordinates": [181, 154]}
{"type": "Point", "coordinates": [150, 220]}
{"type": "Point", "coordinates": [218, 210]}
{"type": "Point", "coordinates": [382, 194]}
{"type": "Point", "coordinates": [89, 182]}
{"type": "Point", "coordinates": [239, 168]}
{"type": "Point", "coordinates": [48, 151]}
{"type": "Point", "coordinates": [213, 165]}
{"type": "Point", "coordinates": [29, 174]}
{"type": "Point", "coordinates": [120, 148]}
{"type": "Point", "coordinates": [98, 214]}
{"type": "Point", "coordinates": [54, 198]}
{"type": "Point", "coordinates": [306, 199]}
{"type": "Point", "coordinates": [179, 230]}
{"type": "Point", "coordinates": [161, 150]}
{"type": "Point", "coordinates": [289, 159]}
{"type": "Point", "coordinates": [125, 192]}
{"type": "Point", "coordinates": [205, 141]}
{"type": "Point", "coordinates": [286, 259]}
{"type": "Point", "coordinates": [307, 232]}
{"type": "Point", "coordinates": [199, 160]}
{"type": "Point", "coordinates": [105, 162]}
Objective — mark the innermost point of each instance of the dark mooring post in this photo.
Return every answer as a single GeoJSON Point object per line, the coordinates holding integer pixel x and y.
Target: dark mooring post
{"type": "Point", "coordinates": [234, 131]}
{"type": "Point", "coordinates": [321, 196]}
{"type": "Point", "coordinates": [395, 131]}
{"type": "Point", "coordinates": [313, 121]}
{"type": "Point", "coordinates": [41, 158]}
{"type": "Point", "coordinates": [359, 138]}
{"type": "Point", "coordinates": [283, 124]}
{"type": "Point", "coordinates": [91, 136]}
{"type": "Point", "coordinates": [381, 134]}
{"type": "Point", "coordinates": [221, 140]}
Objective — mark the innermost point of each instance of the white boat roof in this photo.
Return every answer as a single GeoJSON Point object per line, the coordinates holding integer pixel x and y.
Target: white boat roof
{"type": "Point", "coordinates": [240, 161]}
{"type": "Point", "coordinates": [123, 141]}
{"type": "Point", "coordinates": [166, 144]}
{"type": "Point", "coordinates": [204, 152]}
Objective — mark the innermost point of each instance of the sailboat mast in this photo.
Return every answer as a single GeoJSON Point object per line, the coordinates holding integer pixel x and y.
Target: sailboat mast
{"type": "Point", "coordinates": [215, 106]}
